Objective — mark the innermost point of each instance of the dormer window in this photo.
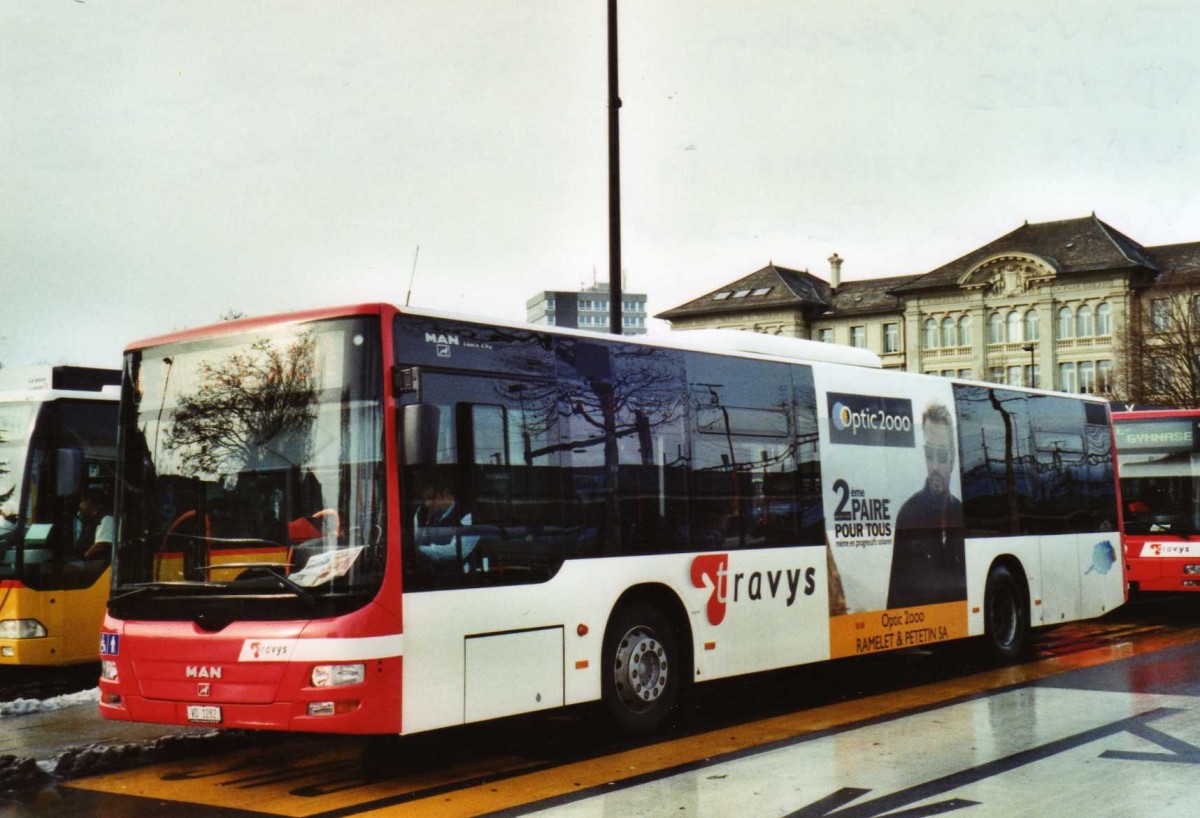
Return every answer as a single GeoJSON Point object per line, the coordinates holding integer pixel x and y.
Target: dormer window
{"type": "Point", "coordinates": [721, 296]}
{"type": "Point", "coordinates": [741, 294]}
{"type": "Point", "coordinates": [761, 291]}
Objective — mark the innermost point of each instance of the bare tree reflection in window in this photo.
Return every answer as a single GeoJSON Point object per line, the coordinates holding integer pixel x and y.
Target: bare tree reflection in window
{"type": "Point", "coordinates": [252, 407]}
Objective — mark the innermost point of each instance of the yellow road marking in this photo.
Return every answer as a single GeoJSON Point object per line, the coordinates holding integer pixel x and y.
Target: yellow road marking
{"type": "Point", "coordinates": [273, 786]}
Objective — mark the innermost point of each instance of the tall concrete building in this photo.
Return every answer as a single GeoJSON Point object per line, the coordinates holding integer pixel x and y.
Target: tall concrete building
{"type": "Point", "coordinates": [1035, 307]}
{"type": "Point", "coordinates": [586, 308]}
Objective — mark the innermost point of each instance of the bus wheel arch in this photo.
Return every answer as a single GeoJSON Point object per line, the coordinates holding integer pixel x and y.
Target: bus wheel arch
{"type": "Point", "coordinates": [1006, 612]}
{"type": "Point", "coordinates": [646, 661]}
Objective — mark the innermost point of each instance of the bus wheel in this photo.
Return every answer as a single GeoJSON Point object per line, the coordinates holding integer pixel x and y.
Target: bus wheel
{"type": "Point", "coordinates": [1006, 617]}
{"type": "Point", "coordinates": [641, 679]}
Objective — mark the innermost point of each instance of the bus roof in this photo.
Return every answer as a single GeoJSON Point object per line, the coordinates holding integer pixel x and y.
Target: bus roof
{"type": "Point", "coordinates": [731, 342]}
{"type": "Point", "coordinates": [1157, 414]}
{"type": "Point", "coordinates": [29, 384]}
{"type": "Point", "coordinates": [69, 378]}
{"type": "Point", "coordinates": [708, 340]}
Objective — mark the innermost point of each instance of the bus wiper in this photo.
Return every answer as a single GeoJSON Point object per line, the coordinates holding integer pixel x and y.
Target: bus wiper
{"type": "Point", "coordinates": [272, 570]}
{"type": "Point", "coordinates": [143, 587]}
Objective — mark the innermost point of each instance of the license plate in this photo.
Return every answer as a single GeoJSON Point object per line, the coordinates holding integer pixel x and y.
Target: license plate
{"type": "Point", "coordinates": [207, 713]}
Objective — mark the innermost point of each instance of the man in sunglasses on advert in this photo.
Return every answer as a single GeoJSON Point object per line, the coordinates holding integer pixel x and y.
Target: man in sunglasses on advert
{"type": "Point", "coordinates": [928, 551]}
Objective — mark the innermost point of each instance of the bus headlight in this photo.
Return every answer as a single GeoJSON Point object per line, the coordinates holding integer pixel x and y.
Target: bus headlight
{"type": "Point", "coordinates": [1191, 569]}
{"type": "Point", "coordinates": [338, 675]}
{"type": "Point", "coordinates": [21, 629]}
{"type": "Point", "coordinates": [108, 670]}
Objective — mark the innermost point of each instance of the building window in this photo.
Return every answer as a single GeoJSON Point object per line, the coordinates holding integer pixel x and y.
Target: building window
{"type": "Point", "coordinates": [931, 334]}
{"type": "Point", "coordinates": [1104, 377]}
{"type": "Point", "coordinates": [995, 328]}
{"type": "Point", "coordinates": [947, 373]}
{"type": "Point", "coordinates": [1016, 375]}
{"type": "Point", "coordinates": [1160, 315]}
{"type": "Point", "coordinates": [964, 373]}
{"type": "Point", "coordinates": [549, 304]}
{"type": "Point", "coordinates": [949, 334]}
{"type": "Point", "coordinates": [1084, 326]}
{"type": "Point", "coordinates": [825, 336]}
{"type": "Point", "coordinates": [891, 337]}
{"type": "Point", "coordinates": [996, 374]}
{"type": "Point", "coordinates": [741, 294]}
{"type": "Point", "coordinates": [1103, 320]}
{"type": "Point", "coordinates": [550, 320]}
{"type": "Point", "coordinates": [1066, 324]}
{"type": "Point", "coordinates": [858, 336]}
{"type": "Point", "coordinates": [1032, 376]}
{"type": "Point", "coordinates": [964, 331]}
{"type": "Point", "coordinates": [761, 291]}
{"type": "Point", "coordinates": [1014, 327]}
{"type": "Point", "coordinates": [1032, 325]}
{"type": "Point", "coordinates": [1087, 377]}
{"type": "Point", "coordinates": [721, 296]}
{"type": "Point", "coordinates": [1160, 373]}
{"type": "Point", "coordinates": [1066, 378]}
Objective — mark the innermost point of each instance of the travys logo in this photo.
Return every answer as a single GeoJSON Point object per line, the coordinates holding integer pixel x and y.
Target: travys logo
{"type": "Point", "coordinates": [870, 420]}
{"type": "Point", "coordinates": [711, 571]}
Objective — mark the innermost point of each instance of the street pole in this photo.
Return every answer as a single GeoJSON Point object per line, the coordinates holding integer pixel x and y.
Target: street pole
{"type": "Point", "coordinates": [615, 296]}
{"type": "Point", "coordinates": [1032, 363]}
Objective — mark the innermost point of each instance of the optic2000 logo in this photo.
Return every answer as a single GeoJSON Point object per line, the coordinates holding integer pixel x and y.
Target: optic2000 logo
{"type": "Point", "coordinates": [711, 571]}
{"type": "Point", "coordinates": [870, 420]}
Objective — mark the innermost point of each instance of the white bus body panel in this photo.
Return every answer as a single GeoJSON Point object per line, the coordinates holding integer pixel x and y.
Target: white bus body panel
{"type": "Point", "coordinates": [493, 651]}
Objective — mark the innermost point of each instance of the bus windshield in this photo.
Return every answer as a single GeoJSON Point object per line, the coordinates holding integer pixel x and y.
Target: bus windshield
{"type": "Point", "coordinates": [252, 470]}
{"type": "Point", "coordinates": [1160, 476]}
{"type": "Point", "coordinates": [15, 422]}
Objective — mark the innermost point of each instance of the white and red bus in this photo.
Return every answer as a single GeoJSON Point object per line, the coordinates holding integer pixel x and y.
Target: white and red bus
{"type": "Point", "coordinates": [1158, 457]}
{"type": "Point", "coordinates": [375, 520]}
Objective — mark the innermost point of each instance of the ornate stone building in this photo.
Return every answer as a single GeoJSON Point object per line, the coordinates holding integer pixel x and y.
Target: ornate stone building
{"type": "Point", "coordinates": [1036, 307]}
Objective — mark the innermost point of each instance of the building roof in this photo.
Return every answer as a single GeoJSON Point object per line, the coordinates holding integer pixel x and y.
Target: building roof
{"type": "Point", "coordinates": [1070, 246]}
{"type": "Point", "coordinates": [1178, 259]}
{"type": "Point", "coordinates": [796, 289]}
{"type": "Point", "coordinates": [776, 287]}
{"type": "Point", "coordinates": [868, 295]}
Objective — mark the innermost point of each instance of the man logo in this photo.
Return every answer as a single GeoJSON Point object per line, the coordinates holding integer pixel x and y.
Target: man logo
{"type": "Point", "coordinates": [204, 690]}
{"type": "Point", "coordinates": [202, 672]}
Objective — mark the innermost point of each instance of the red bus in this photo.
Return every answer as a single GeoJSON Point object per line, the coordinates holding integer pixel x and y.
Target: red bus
{"type": "Point", "coordinates": [1158, 455]}
{"type": "Point", "coordinates": [373, 520]}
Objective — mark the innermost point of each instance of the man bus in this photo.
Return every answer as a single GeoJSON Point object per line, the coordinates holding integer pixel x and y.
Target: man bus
{"type": "Point", "coordinates": [58, 432]}
{"type": "Point", "coordinates": [1158, 458]}
{"type": "Point", "coordinates": [374, 520]}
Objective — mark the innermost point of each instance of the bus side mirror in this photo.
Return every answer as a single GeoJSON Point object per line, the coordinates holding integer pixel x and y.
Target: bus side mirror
{"type": "Point", "coordinates": [419, 426]}
{"type": "Point", "coordinates": [68, 472]}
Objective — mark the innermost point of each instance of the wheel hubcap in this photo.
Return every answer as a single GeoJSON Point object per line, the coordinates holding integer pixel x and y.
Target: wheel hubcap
{"type": "Point", "coordinates": [1004, 618]}
{"type": "Point", "coordinates": [640, 669]}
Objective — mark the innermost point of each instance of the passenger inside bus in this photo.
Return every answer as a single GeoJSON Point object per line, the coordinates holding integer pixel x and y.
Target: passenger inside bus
{"type": "Point", "coordinates": [438, 526]}
{"type": "Point", "coordinates": [93, 527]}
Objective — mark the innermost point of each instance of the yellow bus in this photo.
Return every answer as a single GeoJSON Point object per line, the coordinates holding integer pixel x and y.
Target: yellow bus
{"type": "Point", "coordinates": [58, 428]}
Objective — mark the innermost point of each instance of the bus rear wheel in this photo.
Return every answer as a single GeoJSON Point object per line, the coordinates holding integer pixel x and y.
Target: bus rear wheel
{"type": "Point", "coordinates": [1006, 616]}
{"type": "Point", "coordinates": [642, 669]}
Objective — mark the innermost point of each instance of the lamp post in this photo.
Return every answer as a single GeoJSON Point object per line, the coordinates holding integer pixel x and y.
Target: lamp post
{"type": "Point", "coordinates": [615, 295]}
{"type": "Point", "coordinates": [1030, 349]}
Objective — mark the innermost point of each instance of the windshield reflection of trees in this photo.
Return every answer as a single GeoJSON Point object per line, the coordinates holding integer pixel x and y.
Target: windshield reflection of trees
{"type": "Point", "coordinates": [245, 494]}
{"type": "Point", "coordinates": [254, 409]}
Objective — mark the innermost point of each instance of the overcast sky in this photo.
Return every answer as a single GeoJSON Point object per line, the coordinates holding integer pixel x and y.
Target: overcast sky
{"type": "Point", "coordinates": [164, 162]}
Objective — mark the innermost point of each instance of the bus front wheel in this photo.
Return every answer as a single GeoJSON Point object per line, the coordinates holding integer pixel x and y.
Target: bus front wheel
{"type": "Point", "coordinates": [642, 669]}
{"type": "Point", "coordinates": [1006, 616]}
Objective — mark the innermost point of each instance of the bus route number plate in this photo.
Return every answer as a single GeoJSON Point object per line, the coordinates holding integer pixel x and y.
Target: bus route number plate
{"type": "Point", "coordinates": [207, 713]}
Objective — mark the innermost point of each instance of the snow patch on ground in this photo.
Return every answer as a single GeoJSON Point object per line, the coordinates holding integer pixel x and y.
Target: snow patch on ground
{"type": "Point", "coordinates": [26, 707]}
